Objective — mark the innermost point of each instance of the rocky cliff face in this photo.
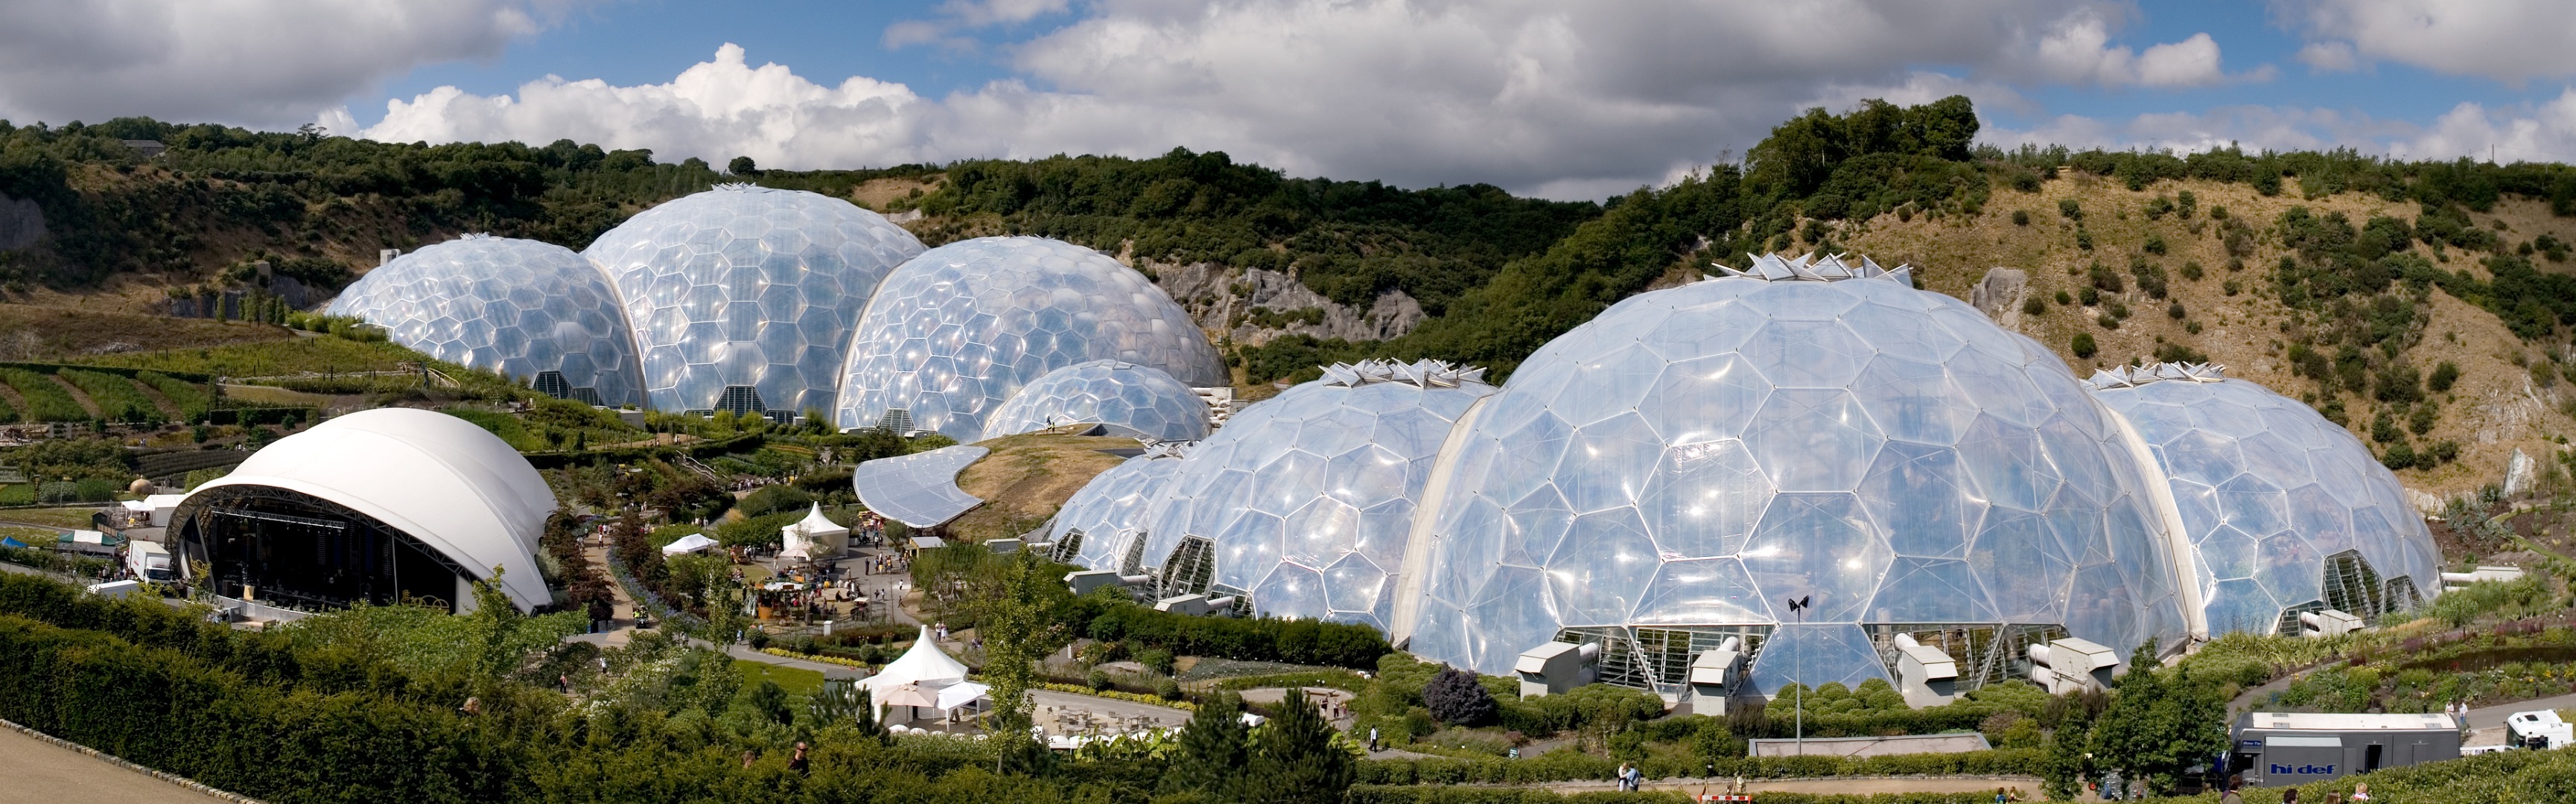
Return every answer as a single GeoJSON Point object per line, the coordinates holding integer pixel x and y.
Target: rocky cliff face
{"type": "Point", "coordinates": [21, 223]}
{"type": "Point", "coordinates": [1255, 305]}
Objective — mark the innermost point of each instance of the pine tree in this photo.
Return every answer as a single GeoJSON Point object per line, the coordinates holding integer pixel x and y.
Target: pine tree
{"type": "Point", "coordinates": [1294, 760]}
{"type": "Point", "coordinates": [1213, 751]}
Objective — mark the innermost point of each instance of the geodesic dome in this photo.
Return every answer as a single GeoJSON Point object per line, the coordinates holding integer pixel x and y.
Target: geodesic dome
{"type": "Point", "coordinates": [963, 327]}
{"type": "Point", "coordinates": [1098, 525]}
{"type": "Point", "coordinates": [2283, 511]}
{"type": "Point", "coordinates": [747, 288]}
{"type": "Point", "coordinates": [1131, 400]}
{"type": "Point", "coordinates": [1674, 471]}
{"type": "Point", "coordinates": [521, 307]}
{"type": "Point", "coordinates": [1305, 500]}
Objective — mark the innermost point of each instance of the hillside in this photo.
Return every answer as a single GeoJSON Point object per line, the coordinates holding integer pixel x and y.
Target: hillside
{"type": "Point", "coordinates": [2349, 281]}
{"type": "Point", "coordinates": [2509, 393]}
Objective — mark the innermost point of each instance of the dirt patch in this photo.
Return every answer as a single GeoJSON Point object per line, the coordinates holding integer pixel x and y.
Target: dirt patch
{"type": "Point", "coordinates": [876, 194]}
{"type": "Point", "coordinates": [1027, 478]}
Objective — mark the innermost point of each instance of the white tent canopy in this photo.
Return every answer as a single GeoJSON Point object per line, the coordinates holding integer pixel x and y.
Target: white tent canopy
{"type": "Point", "coordinates": [692, 543]}
{"type": "Point", "coordinates": [815, 536]}
{"type": "Point", "coordinates": [924, 667]}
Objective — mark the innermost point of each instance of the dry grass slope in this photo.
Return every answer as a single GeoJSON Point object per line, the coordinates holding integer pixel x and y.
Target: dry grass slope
{"type": "Point", "coordinates": [2495, 408]}
{"type": "Point", "coordinates": [1027, 478]}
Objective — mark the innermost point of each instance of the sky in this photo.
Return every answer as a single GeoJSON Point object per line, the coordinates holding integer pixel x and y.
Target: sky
{"type": "Point", "coordinates": [1555, 99]}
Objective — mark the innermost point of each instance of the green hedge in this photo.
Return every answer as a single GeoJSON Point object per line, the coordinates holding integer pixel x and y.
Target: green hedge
{"type": "Point", "coordinates": [1567, 766]}
{"type": "Point", "coordinates": [1260, 639]}
{"type": "Point", "coordinates": [1379, 794]}
{"type": "Point", "coordinates": [249, 713]}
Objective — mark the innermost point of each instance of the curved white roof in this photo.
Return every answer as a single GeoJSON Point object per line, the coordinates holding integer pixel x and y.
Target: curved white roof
{"type": "Point", "coordinates": [455, 487]}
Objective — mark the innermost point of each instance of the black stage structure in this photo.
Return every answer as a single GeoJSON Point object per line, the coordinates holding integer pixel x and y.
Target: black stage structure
{"type": "Point", "coordinates": [302, 551]}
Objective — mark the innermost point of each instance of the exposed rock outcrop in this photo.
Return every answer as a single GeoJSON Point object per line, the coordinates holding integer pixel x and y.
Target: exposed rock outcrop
{"type": "Point", "coordinates": [1255, 305]}
{"type": "Point", "coordinates": [22, 223]}
{"type": "Point", "coordinates": [1998, 292]}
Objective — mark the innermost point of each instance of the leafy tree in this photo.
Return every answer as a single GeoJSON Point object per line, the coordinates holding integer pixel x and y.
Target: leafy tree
{"type": "Point", "coordinates": [1294, 760]}
{"type": "Point", "coordinates": [1455, 698]}
{"type": "Point", "coordinates": [742, 166]}
{"type": "Point", "coordinates": [2159, 726]}
{"type": "Point", "coordinates": [1213, 752]}
{"type": "Point", "coordinates": [1017, 634]}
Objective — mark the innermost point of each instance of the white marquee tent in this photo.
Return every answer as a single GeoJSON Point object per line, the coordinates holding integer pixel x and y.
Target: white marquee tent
{"type": "Point", "coordinates": [692, 543]}
{"type": "Point", "coordinates": [924, 668]}
{"type": "Point", "coordinates": [815, 536]}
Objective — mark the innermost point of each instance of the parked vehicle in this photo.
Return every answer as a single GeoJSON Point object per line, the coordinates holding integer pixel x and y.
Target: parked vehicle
{"type": "Point", "coordinates": [149, 561]}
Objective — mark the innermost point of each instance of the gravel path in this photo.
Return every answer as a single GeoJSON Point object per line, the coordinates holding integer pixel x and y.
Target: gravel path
{"type": "Point", "coordinates": [40, 772]}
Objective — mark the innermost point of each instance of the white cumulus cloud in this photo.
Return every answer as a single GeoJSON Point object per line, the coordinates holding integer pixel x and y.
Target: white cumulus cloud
{"type": "Point", "coordinates": [255, 63]}
{"type": "Point", "coordinates": [2506, 40]}
{"type": "Point", "coordinates": [1535, 96]}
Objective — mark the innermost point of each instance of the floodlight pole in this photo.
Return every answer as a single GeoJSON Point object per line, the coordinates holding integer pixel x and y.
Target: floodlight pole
{"type": "Point", "coordinates": [1798, 683]}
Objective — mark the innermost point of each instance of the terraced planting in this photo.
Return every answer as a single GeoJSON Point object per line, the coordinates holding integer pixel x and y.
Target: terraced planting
{"type": "Point", "coordinates": [47, 401]}
{"type": "Point", "coordinates": [193, 399]}
{"type": "Point", "coordinates": [117, 397]}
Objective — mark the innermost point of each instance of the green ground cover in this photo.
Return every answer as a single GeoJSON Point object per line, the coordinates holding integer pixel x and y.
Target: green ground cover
{"type": "Point", "coordinates": [46, 400]}
{"type": "Point", "coordinates": [117, 397]}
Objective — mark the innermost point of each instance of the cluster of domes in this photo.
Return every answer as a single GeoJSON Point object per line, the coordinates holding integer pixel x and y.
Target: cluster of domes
{"type": "Point", "coordinates": [959, 330]}
{"type": "Point", "coordinates": [777, 302]}
{"type": "Point", "coordinates": [1810, 457]}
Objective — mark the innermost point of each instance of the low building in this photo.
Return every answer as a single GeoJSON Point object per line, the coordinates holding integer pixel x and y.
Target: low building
{"type": "Point", "coordinates": [2274, 749]}
{"type": "Point", "coordinates": [378, 506]}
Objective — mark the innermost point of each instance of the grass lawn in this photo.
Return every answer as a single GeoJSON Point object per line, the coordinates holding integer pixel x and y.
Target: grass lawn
{"type": "Point", "coordinates": [75, 518]}
{"type": "Point", "coordinates": [796, 681]}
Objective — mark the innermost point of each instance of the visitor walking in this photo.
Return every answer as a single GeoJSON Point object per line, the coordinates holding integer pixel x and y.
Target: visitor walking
{"type": "Point", "coordinates": [1373, 739]}
{"type": "Point", "coordinates": [797, 763]}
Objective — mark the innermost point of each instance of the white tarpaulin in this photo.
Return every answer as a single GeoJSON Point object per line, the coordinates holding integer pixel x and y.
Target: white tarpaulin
{"type": "Point", "coordinates": [692, 543]}
{"type": "Point", "coordinates": [961, 694]}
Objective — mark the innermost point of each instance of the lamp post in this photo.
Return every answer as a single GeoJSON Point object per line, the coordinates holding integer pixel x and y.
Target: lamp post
{"type": "Point", "coordinates": [1797, 676]}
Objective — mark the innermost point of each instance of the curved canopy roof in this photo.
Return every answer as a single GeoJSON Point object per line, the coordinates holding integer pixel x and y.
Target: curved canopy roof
{"type": "Point", "coordinates": [455, 487]}
{"type": "Point", "coordinates": [919, 490]}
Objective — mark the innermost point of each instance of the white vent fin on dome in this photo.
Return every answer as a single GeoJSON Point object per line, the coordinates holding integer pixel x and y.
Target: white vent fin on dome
{"type": "Point", "coordinates": [2134, 376]}
{"type": "Point", "coordinates": [1813, 268]}
{"type": "Point", "coordinates": [1422, 373]}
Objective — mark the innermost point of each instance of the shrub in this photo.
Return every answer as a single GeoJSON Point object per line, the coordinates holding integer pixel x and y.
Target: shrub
{"type": "Point", "coordinates": [1098, 680]}
{"type": "Point", "coordinates": [2445, 374]}
{"type": "Point", "coordinates": [2071, 210]}
{"type": "Point", "coordinates": [1455, 698]}
{"type": "Point", "coordinates": [2021, 217]}
{"type": "Point", "coordinates": [2034, 305]}
{"type": "Point", "coordinates": [1157, 659]}
{"type": "Point", "coordinates": [2083, 346]}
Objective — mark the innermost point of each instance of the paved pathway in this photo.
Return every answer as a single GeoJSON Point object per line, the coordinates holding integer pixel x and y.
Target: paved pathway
{"type": "Point", "coordinates": [2493, 716]}
{"type": "Point", "coordinates": [40, 772]}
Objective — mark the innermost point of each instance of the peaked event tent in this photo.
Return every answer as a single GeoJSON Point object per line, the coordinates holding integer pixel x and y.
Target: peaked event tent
{"type": "Point", "coordinates": [925, 667]}
{"type": "Point", "coordinates": [688, 544]}
{"type": "Point", "coordinates": [815, 536]}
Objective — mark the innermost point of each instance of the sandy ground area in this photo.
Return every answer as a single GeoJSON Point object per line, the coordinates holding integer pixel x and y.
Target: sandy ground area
{"type": "Point", "coordinates": [43, 773]}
